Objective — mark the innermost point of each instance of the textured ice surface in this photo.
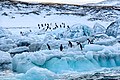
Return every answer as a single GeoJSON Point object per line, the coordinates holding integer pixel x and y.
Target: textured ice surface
{"type": "Point", "coordinates": [93, 47]}
{"type": "Point", "coordinates": [5, 60]}
{"type": "Point", "coordinates": [98, 28]}
{"type": "Point", "coordinates": [113, 29]}
{"type": "Point", "coordinates": [37, 73]}
{"type": "Point", "coordinates": [79, 30]}
{"type": "Point", "coordinates": [41, 63]}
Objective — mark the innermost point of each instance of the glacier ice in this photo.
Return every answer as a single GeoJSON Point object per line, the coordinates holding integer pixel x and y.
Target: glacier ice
{"type": "Point", "coordinates": [18, 50]}
{"type": "Point", "coordinates": [7, 47]}
{"type": "Point", "coordinates": [5, 60]}
{"type": "Point", "coordinates": [93, 47]}
{"type": "Point", "coordinates": [60, 62]}
{"type": "Point", "coordinates": [98, 28]}
{"type": "Point", "coordinates": [35, 46]}
{"type": "Point", "coordinates": [113, 29]}
{"type": "Point", "coordinates": [78, 30]}
{"type": "Point", "coordinates": [37, 73]}
{"type": "Point", "coordinates": [4, 33]}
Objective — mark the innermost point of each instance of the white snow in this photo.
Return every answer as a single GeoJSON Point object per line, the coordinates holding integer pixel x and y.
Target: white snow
{"type": "Point", "coordinates": [37, 73]}
{"type": "Point", "coordinates": [93, 47]}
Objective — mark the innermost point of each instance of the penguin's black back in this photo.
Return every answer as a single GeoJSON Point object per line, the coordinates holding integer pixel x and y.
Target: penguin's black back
{"type": "Point", "coordinates": [61, 47]}
{"type": "Point", "coordinates": [48, 46]}
{"type": "Point", "coordinates": [89, 42]}
{"type": "Point", "coordinates": [70, 44]}
{"type": "Point", "coordinates": [80, 46]}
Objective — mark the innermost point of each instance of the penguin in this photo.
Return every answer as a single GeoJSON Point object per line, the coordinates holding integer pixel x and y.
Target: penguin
{"type": "Point", "coordinates": [61, 47]}
{"type": "Point", "coordinates": [48, 46]}
{"type": "Point", "coordinates": [21, 33]}
{"type": "Point", "coordinates": [45, 24]}
{"type": "Point", "coordinates": [38, 24]}
{"type": "Point", "coordinates": [80, 46]}
{"type": "Point", "coordinates": [56, 25]}
{"type": "Point", "coordinates": [89, 42]}
{"type": "Point", "coordinates": [60, 26]}
{"type": "Point", "coordinates": [70, 44]}
{"type": "Point", "coordinates": [78, 43]}
{"type": "Point", "coordinates": [30, 30]}
{"type": "Point", "coordinates": [42, 25]}
{"type": "Point", "coordinates": [50, 28]}
{"type": "Point", "coordinates": [63, 25]}
{"type": "Point", "coordinates": [68, 27]}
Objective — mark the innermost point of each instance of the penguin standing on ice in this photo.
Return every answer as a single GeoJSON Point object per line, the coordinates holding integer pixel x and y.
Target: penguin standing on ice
{"type": "Point", "coordinates": [80, 46]}
{"type": "Point", "coordinates": [63, 25]}
{"type": "Point", "coordinates": [89, 42]}
{"type": "Point", "coordinates": [61, 47]}
{"type": "Point", "coordinates": [68, 27]}
{"type": "Point", "coordinates": [48, 46]}
{"type": "Point", "coordinates": [78, 43]}
{"type": "Point", "coordinates": [21, 33]}
{"type": "Point", "coordinates": [45, 24]}
{"type": "Point", "coordinates": [39, 26]}
{"type": "Point", "coordinates": [60, 26]}
{"type": "Point", "coordinates": [30, 30]}
{"type": "Point", "coordinates": [70, 44]}
{"type": "Point", "coordinates": [56, 25]}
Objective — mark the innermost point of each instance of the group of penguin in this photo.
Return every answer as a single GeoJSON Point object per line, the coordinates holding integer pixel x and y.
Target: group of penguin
{"type": "Point", "coordinates": [71, 45]}
{"type": "Point", "coordinates": [48, 26]}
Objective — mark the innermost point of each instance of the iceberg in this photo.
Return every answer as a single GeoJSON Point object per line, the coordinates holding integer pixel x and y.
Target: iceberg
{"type": "Point", "coordinates": [93, 47]}
{"type": "Point", "coordinates": [113, 29]}
{"type": "Point", "coordinates": [37, 73]}
{"type": "Point", "coordinates": [79, 30]}
{"type": "Point", "coordinates": [99, 29]}
{"type": "Point", "coordinates": [5, 61]}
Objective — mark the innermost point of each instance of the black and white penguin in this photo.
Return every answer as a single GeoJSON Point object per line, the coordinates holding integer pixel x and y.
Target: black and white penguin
{"type": "Point", "coordinates": [60, 26]}
{"type": "Point", "coordinates": [48, 46]}
{"type": "Point", "coordinates": [38, 25]}
{"type": "Point", "coordinates": [21, 33]}
{"type": "Point", "coordinates": [41, 25]}
{"type": "Point", "coordinates": [63, 25]}
{"type": "Point", "coordinates": [80, 46]}
{"type": "Point", "coordinates": [70, 44]}
{"type": "Point", "coordinates": [89, 42]}
{"type": "Point", "coordinates": [45, 24]}
{"type": "Point", "coordinates": [56, 25]}
{"type": "Point", "coordinates": [78, 43]}
{"type": "Point", "coordinates": [30, 30]}
{"type": "Point", "coordinates": [68, 27]}
{"type": "Point", "coordinates": [61, 47]}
